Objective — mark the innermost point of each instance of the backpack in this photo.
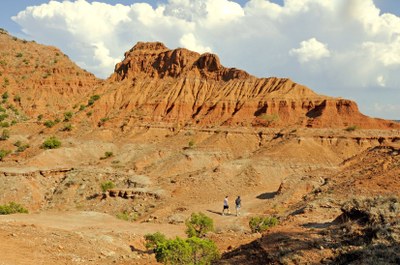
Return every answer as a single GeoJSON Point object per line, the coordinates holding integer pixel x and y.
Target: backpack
{"type": "Point", "coordinates": [237, 201]}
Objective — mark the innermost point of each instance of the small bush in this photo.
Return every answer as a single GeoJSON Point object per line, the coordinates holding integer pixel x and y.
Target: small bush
{"type": "Point", "coordinates": [4, 153]}
{"type": "Point", "coordinates": [351, 128]}
{"type": "Point", "coordinates": [49, 123]}
{"type": "Point", "coordinates": [3, 116]}
{"type": "Point", "coordinates": [51, 143]}
{"type": "Point", "coordinates": [5, 95]}
{"type": "Point", "coordinates": [11, 208]}
{"type": "Point", "coordinates": [67, 128]}
{"type": "Point", "coordinates": [19, 55]}
{"type": "Point", "coordinates": [17, 98]}
{"type": "Point", "coordinates": [22, 148]}
{"type": "Point", "coordinates": [4, 124]}
{"type": "Point", "coordinates": [191, 144]}
{"type": "Point", "coordinates": [198, 225]}
{"type": "Point", "coordinates": [40, 117]}
{"type": "Point", "coordinates": [68, 115]}
{"type": "Point", "coordinates": [82, 107]}
{"type": "Point", "coordinates": [93, 99]}
{"type": "Point", "coordinates": [126, 216]}
{"type": "Point", "coordinates": [5, 135]}
{"type": "Point", "coordinates": [260, 224]}
{"type": "Point", "coordinates": [108, 185]}
{"type": "Point", "coordinates": [107, 155]}
{"type": "Point", "coordinates": [102, 121]}
{"type": "Point", "coordinates": [269, 118]}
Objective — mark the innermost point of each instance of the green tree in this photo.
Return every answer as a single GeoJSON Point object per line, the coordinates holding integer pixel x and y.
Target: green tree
{"type": "Point", "coordinates": [153, 240]}
{"type": "Point", "coordinates": [198, 225]}
{"type": "Point", "coordinates": [204, 251]}
{"type": "Point", "coordinates": [176, 251]}
{"type": "Point", "coordinates": [193, 250]}
{"type": "Point", "coordinates": [51, 143]}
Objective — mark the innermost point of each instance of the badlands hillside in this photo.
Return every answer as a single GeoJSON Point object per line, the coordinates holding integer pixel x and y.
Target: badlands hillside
{"type": "Point", "coordinates": [175, 132]}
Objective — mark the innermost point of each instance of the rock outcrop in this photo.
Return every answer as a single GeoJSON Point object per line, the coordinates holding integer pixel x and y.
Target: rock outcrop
{"type": "Point", "coordinates": [156, 84]}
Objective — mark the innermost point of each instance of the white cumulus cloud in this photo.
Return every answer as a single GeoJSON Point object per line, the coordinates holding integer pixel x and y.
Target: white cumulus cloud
{"type": "Point", "coordinates": [336, 47]}
{"type": "Point", "coordinates": [310, 50]}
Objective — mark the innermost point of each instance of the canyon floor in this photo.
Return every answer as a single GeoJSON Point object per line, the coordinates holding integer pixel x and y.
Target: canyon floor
{"type": "Point", "coordinates": [175, 173]}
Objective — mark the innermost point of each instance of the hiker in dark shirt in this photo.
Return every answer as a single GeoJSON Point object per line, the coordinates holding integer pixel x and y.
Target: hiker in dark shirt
{"type": "Point", "coordinates": [238, 203]}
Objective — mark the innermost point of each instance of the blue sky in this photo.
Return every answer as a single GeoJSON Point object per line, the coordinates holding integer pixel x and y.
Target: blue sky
{"type": "Point", "coordinates": [341, 48]}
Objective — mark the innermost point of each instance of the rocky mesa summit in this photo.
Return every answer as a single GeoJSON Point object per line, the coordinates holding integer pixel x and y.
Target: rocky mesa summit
{"type": "Point", "coordinates": [190, 88]}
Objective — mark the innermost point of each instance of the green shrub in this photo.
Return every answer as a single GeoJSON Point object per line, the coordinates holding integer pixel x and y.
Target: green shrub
{"type": "Point", "coordinates": [49, 123]}
{"type": "Point", "coordinates": [191, 144]}
{"type": "Point", "coordinates": [108, 185]}
{"type": "Point", "coordinates": [193, 250]}
{"type": "Point", "coordinates": [68, 115]}
{"type": "Point", "coordinates": [153, 240]}
{"type": "Point", "coordinates": [3, 116]}
{"type": "Point", "coordinates": [260, 224]}
{"type": "Point", "coordinates": [11, 208]}
{"type": "Point", "coordinates": [19, 54]}
{"type": "Point", "coordinates": [107, 155]}
{"type": "Point", "coordinates": [6, 82]}
{"type": "Point", "coordinates": [351, 128]}
{"type": "Point", "coordinates": [5, 95]}
{"type": "Point", "coordinates": [4, 153]}
{"type": "Point", "coordinates": [5, 135]}
{"type": "Point", "coordinates": [4, 124]}
{"type": "Point", "coordinates": [126, 216]}
{"type": "Point", "coordinates": [40, 117]}
{"type": "Point", "coordinates": [93, 99]}
{"type": "Point", "coordinates": [67, 128]}
{"type": "Point", "coordinates": [82, 107]}
{"type": "Point", "coordinates": [102, 121]}
{"type": "Point", "coordinates": [51, 143]}
{"type": "Point", "coordinates": [198, 225]}
{"type": "Point", "coordinates": [17, 98]}
{"type": "Point", "coordinates": [22, 148]}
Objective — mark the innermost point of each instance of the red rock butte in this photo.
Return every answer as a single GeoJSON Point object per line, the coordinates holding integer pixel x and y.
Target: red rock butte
{"type": "Point", "coordinates": [187, 87]}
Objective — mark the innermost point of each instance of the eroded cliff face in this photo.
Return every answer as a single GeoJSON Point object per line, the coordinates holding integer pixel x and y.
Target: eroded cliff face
{"type": "Point", "coordinates": [156, 84]}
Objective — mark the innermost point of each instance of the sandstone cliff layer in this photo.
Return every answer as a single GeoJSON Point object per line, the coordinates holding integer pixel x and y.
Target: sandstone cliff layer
{"type": "Point", "coordinates": [156, 84]}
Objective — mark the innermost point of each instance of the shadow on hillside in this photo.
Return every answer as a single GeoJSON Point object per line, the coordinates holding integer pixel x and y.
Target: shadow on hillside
{"type": "Point", "coordinates": [272, 247]}
{"type": "Point", "coordinates": [267, 195]}
{"type": "Point", "coordinates": [214, 212]}
{"type": "Point", "coordinates": [318, 225]}
{"type": "Point", "coordinates": [373, 254]}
